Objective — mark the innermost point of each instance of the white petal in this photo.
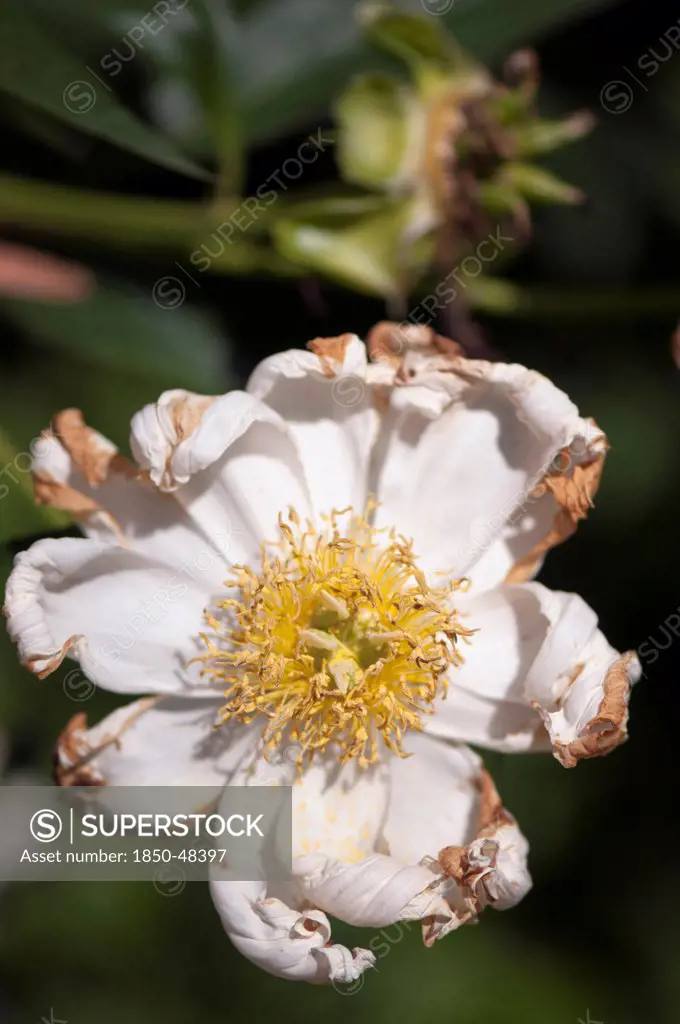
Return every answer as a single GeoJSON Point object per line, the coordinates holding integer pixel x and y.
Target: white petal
{"type": "Point", "coordinates": [159, 431]}
{"type": "Point", "coordinates": [154, 741]}
{"type": "Point", "coordinates": [230, 461]}
{"type": "Point", "coordinates": [509, 631]}
{"type": "Point", "coordinates": [287, 942]}
{"type": "Point", "coordinates": [592, 718]}
{"type": "Point", "coordinates": [131, 622]}
{"type": "Point", "coordinates": [548, 517]}
{"type": "Point", "coordinates": [326, 398]}
{"type": "Point", "coordinates": [338, 810]}
{"type": "Point", "coordinates": [501, 725]}
{"type": "Point", "coordinates": [377, 891]}
{"type": "Point", "coordinates": [492, 869]}
{"type": "Point", "coordinates": [461, 451]}
{"type": "Point", "coordinates": [444, 806]}
{"type": "Point", "coordinates": [78, 470]}
{"type": "Point", "coordinates": [371, 864]}
{"type": "Point", "coordinates": [433, 798]}
{"type": "Point", "coordinates": [338, 821]}
{"type": "Point", "coordinates": [536, 651]}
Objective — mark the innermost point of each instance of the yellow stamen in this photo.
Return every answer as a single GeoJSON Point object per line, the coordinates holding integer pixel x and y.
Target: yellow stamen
{"type": "Point", "coordinates": [338, 641]}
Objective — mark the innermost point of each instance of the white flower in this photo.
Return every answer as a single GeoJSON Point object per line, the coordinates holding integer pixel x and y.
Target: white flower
{"type": "Point", "coordinates": [341, 639]}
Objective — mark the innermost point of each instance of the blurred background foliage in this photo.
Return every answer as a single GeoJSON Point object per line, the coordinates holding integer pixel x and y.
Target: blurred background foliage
{"type": "Point", "coordinates": [109, 181]}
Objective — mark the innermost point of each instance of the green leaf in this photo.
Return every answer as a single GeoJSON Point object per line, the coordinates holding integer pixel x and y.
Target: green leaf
{"type": "Point", "coordinates": [500, 198]}
{"type": "Point", "coordinates": [374, 116]}
{"type": "Point", "coordinates": [121, 328]}
{"type": "Point", "coordinates": [331, 207]}
{"type": "Point", "coordinates": [365, 253]}
{"type": "Point", "coordinates": [305, 54]}
{"type": "Point", "coordinates": [86, 26]}
{"type": "Point", "coordinates": [543, 135]}
{"type": "Point", "coordinates": [35, 69]}
{"type": "Point", "coordinates": [217, 88]}
{"type": "Point", "coordinates": [174, 50]}
{"type": "Point", "coordinates": [414, 38]}
{"type": "Point", "coordinates": [538, 185]}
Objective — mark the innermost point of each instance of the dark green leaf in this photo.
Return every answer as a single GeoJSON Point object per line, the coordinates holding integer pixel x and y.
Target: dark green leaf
{"type": "Point", "coordinates": [217, 89]}
{"type": "Point", "coordinates": [124, 329]}
{"type": "Point", "coordinates": [35, 69]}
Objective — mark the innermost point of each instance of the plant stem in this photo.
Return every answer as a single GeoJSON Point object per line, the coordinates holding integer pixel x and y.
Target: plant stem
{"type": "Point", "coordinates": [133, 222]}
{"type": "Point", "coordinates": [498, 297]}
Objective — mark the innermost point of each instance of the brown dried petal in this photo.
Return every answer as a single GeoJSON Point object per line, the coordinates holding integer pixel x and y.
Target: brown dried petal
{"type": "Point", "coordinates": [331, 352]}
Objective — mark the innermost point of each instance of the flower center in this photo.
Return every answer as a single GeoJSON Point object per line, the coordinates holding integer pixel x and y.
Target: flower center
{"type": "Point", "coordinates": [338, 640]}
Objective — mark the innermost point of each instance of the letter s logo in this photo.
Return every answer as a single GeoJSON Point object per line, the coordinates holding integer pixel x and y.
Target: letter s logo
{"type": "Point", "coordinates": [46, 826]}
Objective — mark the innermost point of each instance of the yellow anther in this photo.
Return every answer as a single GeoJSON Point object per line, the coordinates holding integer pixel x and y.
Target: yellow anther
{"type": "Point", "coordinates": [338, 642]}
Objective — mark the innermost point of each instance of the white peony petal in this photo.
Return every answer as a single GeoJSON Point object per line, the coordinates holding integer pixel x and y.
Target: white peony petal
{"type": "Point", "coordinates": [551, 514]}
{"type": "Point", "coordinates": [501, 725]}
{"type": "Point", "coordinates": [131, 622]}
{"type": "Point", "coordinates": [434, 798]}
{"type": "Point", "coordinates": [155, 741]}
{"type": "Point", "coordinates": [385, 869]}
{"type": "Point", "coordinates": [327, 399]}
{"type": "Point", "coordinates": [287, 942]}
{"type": "Point", "coordinates": [463, 445]}
{"type": "Point", "coordinates": [230, 461]}
{"type": "Point", "coordinates": [492, 869]}
{"type": "Point", "coordinates": [338, 810]}
{"type": "Point", "coordinates": [378, 891]}
{"type": "Point", "coordinates": [591, 719]}
{"type": "Point", "coordinates": [536, 650]}
{"type": "Point", "coordinates": [78, 470]}
{"type": "Point", "coordinates": [158, 431]}
{"type": "Point", "coordinates": [444, 806]}
{"type": "Point", "coordinates": [509, 631]}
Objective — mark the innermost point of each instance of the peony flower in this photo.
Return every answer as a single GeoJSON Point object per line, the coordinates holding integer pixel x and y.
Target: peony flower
{"type": "Point", "coordinates": [338, 562]}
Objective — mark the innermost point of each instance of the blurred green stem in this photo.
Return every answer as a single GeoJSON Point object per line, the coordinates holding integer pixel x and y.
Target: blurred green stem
{"type": "Point", "coordinates": [132, 221]}
{"type": "Point", "coordinates": [99, 215]}
{"type": "Point", "coordinates": [503, 298]}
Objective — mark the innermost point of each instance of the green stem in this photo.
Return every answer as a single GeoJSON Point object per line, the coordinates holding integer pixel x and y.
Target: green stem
{"type": "Point", "coordinates": [498, 297]}
{"type": "Point", "coordinates": [98, 215]}
{"type": "Point", "coordinates": [134, 222]}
